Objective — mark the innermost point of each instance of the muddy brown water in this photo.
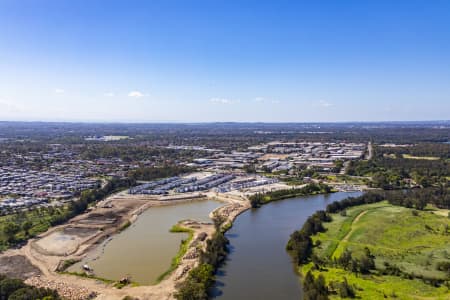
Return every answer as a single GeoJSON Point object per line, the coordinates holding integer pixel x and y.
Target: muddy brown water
{"type": "Point", "coordinates": [258, 266]}
{"type": "Point", "coordinates": [145, 250]}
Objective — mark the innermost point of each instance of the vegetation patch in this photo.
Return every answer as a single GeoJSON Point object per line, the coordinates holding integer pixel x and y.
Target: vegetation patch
{"type": "Point", "coordinates": [184, 246]}
{"type": "Point", "coordinates": [90, 276]}
{"type": "Point", "coordinates": [125, 226]}
{"type": "Point", "coordinates": [67, 263]}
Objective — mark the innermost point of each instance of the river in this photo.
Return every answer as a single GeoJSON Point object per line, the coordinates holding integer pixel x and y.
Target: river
{"type": "Point", "coordinates": [258, 266]}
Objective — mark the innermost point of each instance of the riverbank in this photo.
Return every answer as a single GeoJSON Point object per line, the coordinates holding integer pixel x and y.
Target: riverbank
{"type": "Point", "coordinates": [195, 284]}
{"type": "Point", "coordinates": [259, 199]}
{"type": "Point", "coordinates": [374, 251]}
{"type": "Point", "coordinates": [257, 263]}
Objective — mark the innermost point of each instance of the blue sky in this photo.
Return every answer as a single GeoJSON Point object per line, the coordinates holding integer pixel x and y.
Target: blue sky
{"type": "Point", "coordinates": [202, 61]}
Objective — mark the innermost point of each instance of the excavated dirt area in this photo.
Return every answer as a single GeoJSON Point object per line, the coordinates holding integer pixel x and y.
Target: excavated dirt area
{"type": "Point", "coordinates": [65, 241]}
{"type": "Point", "coordinates": [18, 266]}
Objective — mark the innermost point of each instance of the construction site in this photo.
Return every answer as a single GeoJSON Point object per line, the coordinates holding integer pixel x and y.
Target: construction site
{"type": "Point", "coordinates": [61, 258]}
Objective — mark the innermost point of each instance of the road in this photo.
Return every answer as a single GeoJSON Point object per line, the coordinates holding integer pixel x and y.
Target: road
{"type": "Point", "coordinates": [369, 155]}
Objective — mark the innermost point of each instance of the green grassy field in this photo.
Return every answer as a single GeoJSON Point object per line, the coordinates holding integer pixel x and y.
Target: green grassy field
{"type": "Point", "coordinates": [414, 242]}
{"type": "Point", "coordinates": [347, 179]}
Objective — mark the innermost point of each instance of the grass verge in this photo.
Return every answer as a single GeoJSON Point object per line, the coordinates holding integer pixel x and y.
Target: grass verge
{"type": "Point", "coordinates": [181, 252]}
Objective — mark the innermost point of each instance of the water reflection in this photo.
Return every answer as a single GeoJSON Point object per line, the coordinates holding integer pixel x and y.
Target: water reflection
{"type": "Point", "coordinates": [145, 250]}
{"type": "Point", "coordinates": [258, 266]}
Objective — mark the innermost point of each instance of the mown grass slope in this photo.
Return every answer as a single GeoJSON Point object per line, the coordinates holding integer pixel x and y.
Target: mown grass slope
{"type": "Point", "coordinates": [414, 241]}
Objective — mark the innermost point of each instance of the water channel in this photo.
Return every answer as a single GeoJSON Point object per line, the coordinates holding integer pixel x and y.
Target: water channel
{"type": "Point", "coordinates": [258, 266]}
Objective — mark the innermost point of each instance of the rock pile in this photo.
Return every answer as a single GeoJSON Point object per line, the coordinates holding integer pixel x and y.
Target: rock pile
{"type": "Point", "coordinates": [65, 290]}
{"type": "Point", "coordinates": [182, 272]}
{"type": "Point", "coordinates": [192, 254]}
{"type": "Point", "coordinates": [229, 209]}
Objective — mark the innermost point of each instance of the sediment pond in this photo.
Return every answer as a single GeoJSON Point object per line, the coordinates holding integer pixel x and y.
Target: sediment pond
{"type": "Point", "coordinates": [145, 250]}
{"type": "Point", "coordinates": [258, 266]}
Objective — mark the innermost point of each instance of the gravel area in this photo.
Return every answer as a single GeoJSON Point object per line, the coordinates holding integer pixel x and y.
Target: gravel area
{"type": "Point", "coordinates": [66, 290]}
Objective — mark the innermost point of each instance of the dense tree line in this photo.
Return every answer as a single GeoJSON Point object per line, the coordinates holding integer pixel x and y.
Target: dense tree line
{"type": "Point", "coordinates": [310, 189]}
{"type": "Point", "coordinates": [201, 278]}
{"type": "Point", "coordinates": [136, 151]}
{"type": "Point", "coordinates": [16, 289]}
{"type": "Point", "coordinates": [440, 150]}
{"type": "Point", "coordinates": [367, 198]}
{"type": "Point", "coordinates": [152, 173]}
{"type": "Point", "coordinates": [414, 198]}
{"type": "Point", "coordinates": [419, 198]}
{"type": "Point", "coordinates": [300, 244]}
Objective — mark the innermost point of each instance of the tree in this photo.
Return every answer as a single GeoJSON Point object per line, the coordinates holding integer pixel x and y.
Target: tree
{"type": "Point", "coordinates": [8, 286]}
{"type": "Point", "coordinates": [345, 259]}
{"type": "Point", "coordinates": [367, 262]}
{"type": "Point", "coordinates": [10, 229]}
{"type": "Point", "coordinates": [314, 289]}
{"type": "Point", "coordinates": [26, 226]}
{"type": "Point", "coordinates": [346, 290]}
{"type": "Point", "coordinates": [421, 202]}
{"type": "Point", "coordinates": [197, 283]}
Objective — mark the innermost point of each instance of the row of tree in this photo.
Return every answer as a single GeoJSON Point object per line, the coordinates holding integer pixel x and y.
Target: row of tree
{"type": "Point", "coordinates": [310, 189]}
{"type": "Point", "coordinates": [201, 278]}
{"type": "Point", "coordinates": [300, 244]}
{"type": "Point", "coordinates": [413, 198]}
{"type": "Point", "coordinates": [152, 173]}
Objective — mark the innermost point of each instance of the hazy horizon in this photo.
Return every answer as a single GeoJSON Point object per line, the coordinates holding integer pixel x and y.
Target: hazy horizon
{"type": "Point", "coordinates": [224, 61]}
